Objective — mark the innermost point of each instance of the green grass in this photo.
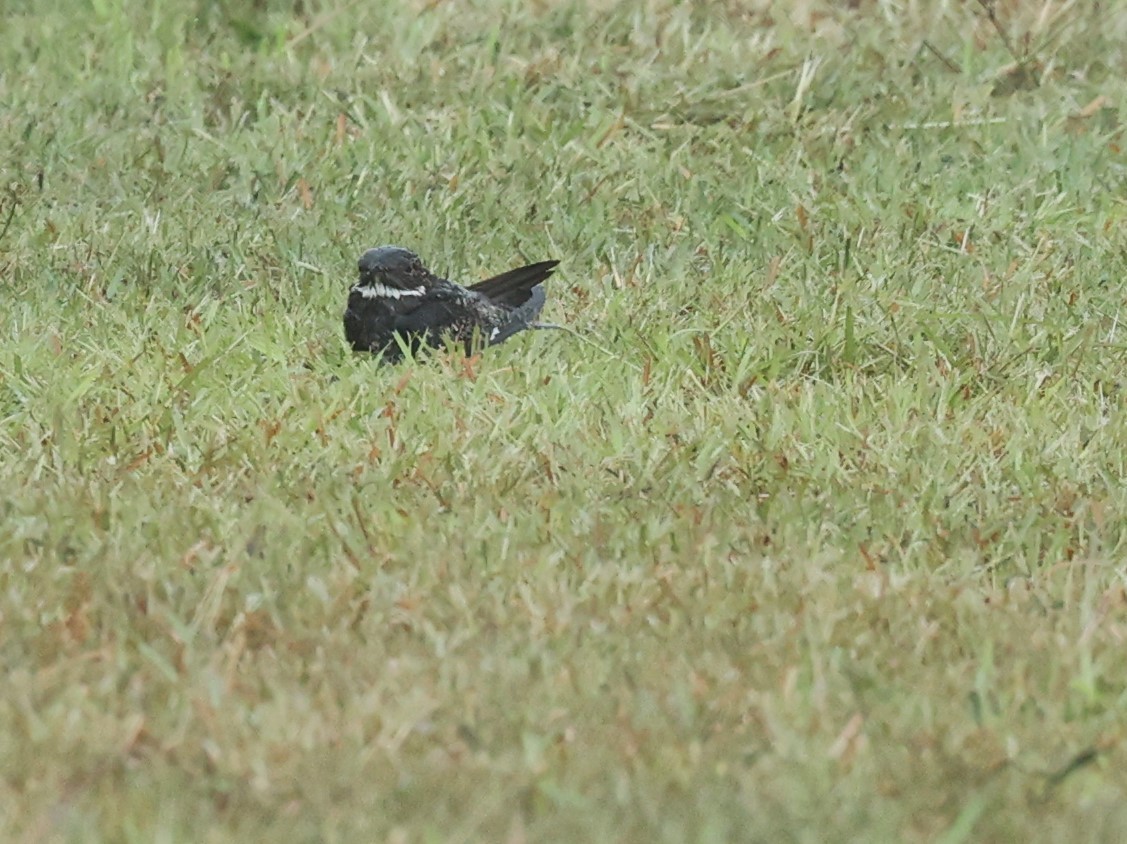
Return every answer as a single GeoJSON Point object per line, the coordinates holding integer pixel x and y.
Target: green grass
{"type": "Point", "coordinates": [826, 542]}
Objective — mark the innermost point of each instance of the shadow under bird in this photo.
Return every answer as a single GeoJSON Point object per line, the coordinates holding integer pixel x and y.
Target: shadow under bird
{"type": "Point", "coordinates": [398, 302]}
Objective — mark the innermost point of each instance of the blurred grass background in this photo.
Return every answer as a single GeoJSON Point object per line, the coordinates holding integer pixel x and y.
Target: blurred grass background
{"type": "Point", "coordinates": [825, 543]}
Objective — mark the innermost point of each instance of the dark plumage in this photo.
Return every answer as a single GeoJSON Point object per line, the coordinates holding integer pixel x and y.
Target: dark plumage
{"type": "Point", "coordinates": [396, 296]}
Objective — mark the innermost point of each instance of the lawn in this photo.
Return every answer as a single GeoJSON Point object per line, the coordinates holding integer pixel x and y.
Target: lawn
{"type": "Point", "coordinates": [816, 531]}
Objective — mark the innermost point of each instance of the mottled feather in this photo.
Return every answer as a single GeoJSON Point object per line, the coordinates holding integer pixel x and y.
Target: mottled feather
{"type": "Point", "coordinates": [398, 300]}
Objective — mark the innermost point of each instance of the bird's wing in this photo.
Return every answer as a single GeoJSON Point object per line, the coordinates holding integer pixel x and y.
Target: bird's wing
{"type": "Point", "coordinates": [428, 314]}
{"type": "Point", "coordinates": [515, 287]}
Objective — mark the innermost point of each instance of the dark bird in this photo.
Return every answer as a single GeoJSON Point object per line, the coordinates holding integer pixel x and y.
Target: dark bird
{"type": "Point", "coordinates": [398, 301]}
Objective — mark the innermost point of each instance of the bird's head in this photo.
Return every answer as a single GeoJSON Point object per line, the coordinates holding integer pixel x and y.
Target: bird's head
{"type": "Point", "coordinates": [391, 272]}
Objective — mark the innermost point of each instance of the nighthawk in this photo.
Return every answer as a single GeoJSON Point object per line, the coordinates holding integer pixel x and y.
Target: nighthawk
{"type": "Point", "coordinates": [397, 302]}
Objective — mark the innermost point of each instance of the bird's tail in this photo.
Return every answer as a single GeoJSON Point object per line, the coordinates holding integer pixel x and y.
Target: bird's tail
{"type": "Point", "coordinates": [521, 317]}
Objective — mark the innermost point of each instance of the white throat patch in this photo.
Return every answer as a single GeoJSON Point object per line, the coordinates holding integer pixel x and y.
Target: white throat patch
{"type": "Point", "coordinates": [382, 291]}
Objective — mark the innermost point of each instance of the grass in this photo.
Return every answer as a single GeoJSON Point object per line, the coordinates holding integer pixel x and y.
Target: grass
{"type": "Point", "coordinates": [825, 542]}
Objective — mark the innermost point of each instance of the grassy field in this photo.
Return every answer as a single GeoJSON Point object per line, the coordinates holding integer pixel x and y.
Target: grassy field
{"type": "Point", "coordinates": [821, 537]}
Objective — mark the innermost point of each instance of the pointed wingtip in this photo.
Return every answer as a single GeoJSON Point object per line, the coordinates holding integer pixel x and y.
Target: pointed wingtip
{"type": "Point", "coordinates": [513, 286]}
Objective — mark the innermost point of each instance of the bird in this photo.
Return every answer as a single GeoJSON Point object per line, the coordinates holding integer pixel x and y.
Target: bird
{"type": "Point", "coordinates": [397, 303]}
